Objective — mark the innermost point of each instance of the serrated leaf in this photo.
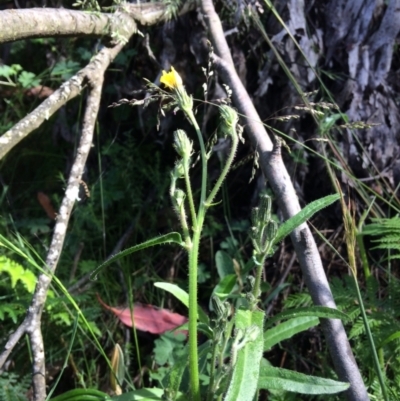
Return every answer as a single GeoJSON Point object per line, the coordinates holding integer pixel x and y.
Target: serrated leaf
{"type": "Point", "coordinates": [313, 311]}
{"type": "Point", "coordinates": [244, 381]}
{"type": "Point", "coordinates": [289, 225]}
{"type": "Point", "coordinates": [287, 330]}
{"type": "Point", "coordinates": [272, 378]}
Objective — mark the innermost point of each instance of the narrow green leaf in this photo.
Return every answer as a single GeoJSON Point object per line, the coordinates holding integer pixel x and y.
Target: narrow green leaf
{"type": "Point", "coordinates": [287, 330]}
{"type": "Point", "coordinates": [288, 226]}
{"type": "Point", "coordinates": [225, 286]}
{"type": "Point", "coordinates": [82, 394]}
{"type": "Point", "coordinates": [244, 381]}
{"type": "Point", "coordinates": [392, 337]}
{"type": "Point", "coordinates": [315, 311]}
{"type": "Point", "coordinates": [163, 239]}
{"type": "Point", "coordinates": [183, 296]}
{"type": "Point", "coordinates": [272, 378]}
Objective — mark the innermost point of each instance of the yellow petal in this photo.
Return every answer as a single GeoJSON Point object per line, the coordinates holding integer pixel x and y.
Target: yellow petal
{"type": "Point", "coordinates": [171, 79]}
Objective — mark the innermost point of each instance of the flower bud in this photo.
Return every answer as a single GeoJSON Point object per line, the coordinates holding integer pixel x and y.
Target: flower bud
{"type": "Point", "coordinates": [229, 118]}
{"type": "Point", "coordinates": [179, 197]}
{"type": "Point", "coordinates": [182, 144]}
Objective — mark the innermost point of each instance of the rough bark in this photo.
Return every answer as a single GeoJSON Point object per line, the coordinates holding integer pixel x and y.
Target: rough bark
{"type": "Point", "coordinates": [363, 34]}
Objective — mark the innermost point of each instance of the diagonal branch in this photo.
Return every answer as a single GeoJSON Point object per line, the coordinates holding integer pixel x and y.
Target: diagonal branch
{"type": "Point", "coordinates": [94, 74]}
{"type": "Point", "coordinates": [48, 22]}
{"type": "Point", "coordinates": [275, 171]}
{"type": "Point", "coordinates": [67, 91]}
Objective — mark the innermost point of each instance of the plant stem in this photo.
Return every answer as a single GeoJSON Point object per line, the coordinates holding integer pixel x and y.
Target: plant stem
{"type": "Point", "coordinates": [189, 194]}
{"type": "Point", "coordinates": [260, 259]}
{"type": "Point", "coordinates": [192, 119]}
{"type": "Point", "coordinates": [193, 353]}
{"type": "Point", "coordinates": [225, 170]}
{"type": "Point", "coordinates": [193, 261]}
{"type": "Point", "coordinates": [371, 342]}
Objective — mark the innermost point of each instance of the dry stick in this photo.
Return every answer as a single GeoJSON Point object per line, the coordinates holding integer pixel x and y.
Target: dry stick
{"type": "Point", "coordinates": [31, 324]}
{"type": "Point", "coordinates": [275, 171]}
{"type": "Point", "coordinates": [48, 22]}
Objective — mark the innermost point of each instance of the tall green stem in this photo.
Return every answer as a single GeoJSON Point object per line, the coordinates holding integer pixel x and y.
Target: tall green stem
{"type": "Point", "coordinates": [225, 170]}
{"type": "Point", "coordinates": [259, 270]}
{"type": "Point", "coordinates": [194, 251]}
{"type": "Point", "coordinates": [193, 262]}
{"type": "Point", "coordinates": [371, 342]}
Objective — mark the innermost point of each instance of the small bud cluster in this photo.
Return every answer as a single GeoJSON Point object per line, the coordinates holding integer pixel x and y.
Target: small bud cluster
{"type": "Point", "coordinates": [264, 229]}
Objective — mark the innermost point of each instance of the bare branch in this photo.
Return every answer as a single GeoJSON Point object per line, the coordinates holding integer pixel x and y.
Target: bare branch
{"type": "Point", "coordinates": [47, 22]}
{"type": "Point", "coordinates": [274, 169]}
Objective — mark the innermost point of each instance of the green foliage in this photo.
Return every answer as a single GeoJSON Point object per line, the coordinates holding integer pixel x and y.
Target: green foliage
{"type": "Point", "coordinates": [305, 214]}
{"type": "Point", "coordinates": [383, 318]}
{"type": "Point", "coordinates": [283, 379]}
{"type": "Point", "coordinates": [15, 282]}
{"type": "Point", "coordinates": [246, 354]}
{"type": "Point", "coordinates": [17, 274]}
{"type": "Point", "coordinates": [65, 69]}
{"type": "Point", "coordinates": [388, 233]}
{"type": "Point", "coordinates": [82, 395]}
{"type": "Point", "coordinates": [14, 387]}
{"type": "Point", "coordinates": [16, 76]}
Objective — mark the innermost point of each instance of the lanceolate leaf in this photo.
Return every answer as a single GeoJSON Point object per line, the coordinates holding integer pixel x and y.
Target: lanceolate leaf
{"type": "Point", "coordinates": [314, 311]}
{"type": "Point", "coordinates": [163, 239]}
{"type": "Point", "coordinates": [288, 226]}
{"type": "Point", "coordinates": [147, 317]}
{"type": "Point", "coordinates": [183, 296]}
{"type": "Point", "coordinates": [287, 330]}
{"type": "Point", "coordinates": [272, 378]}
{"type": "Point", "coordinates": [243, 384]}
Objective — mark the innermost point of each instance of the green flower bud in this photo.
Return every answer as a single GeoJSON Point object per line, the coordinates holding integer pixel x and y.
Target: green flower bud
{"type": "Point", "coordinates": [229, 117]}
{"type": "Point", "coordinates": [182, 144]}
{"type": "Point", "coordinates": [179, 197]}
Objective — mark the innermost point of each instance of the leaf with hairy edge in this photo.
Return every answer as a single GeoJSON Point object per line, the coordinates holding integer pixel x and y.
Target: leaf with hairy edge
{"type": "Point", "coordinates": [163, 239]}
{"type": "Point", "coordinates": [147, 317]}
{"type": "Point", "coordinates": [244, 380]}
{"type": "Point", "coordinates": [315, 311]}
{"type": "Point", "coordinates": [183, 296]}
{"type": "Point", "coordinates": [287, 330]}
{"type": "Point", "coordinates": [272, 378]}
{"type": "Point", "coordinates": [288, 226]}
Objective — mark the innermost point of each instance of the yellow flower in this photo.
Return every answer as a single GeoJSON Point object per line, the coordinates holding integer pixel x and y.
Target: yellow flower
{"type": "Point", "coordinates": [171, 79]}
